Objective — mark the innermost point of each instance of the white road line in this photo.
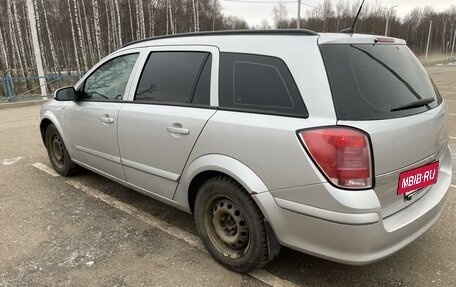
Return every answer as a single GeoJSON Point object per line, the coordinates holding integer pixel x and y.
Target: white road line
{"type": "Point", "coordinates": [453, 138]}
{"type": "Point", "coordinates": [270, 279]}
{"type": "Point", "coordinates": [46, 169]}
{"type": "Point", "coordinates": [191, 239]}
{"type": "Point", "coordinates": [11, 161]}
{"type": "Point", "coordinates": [453, 185]}
{"type": "Point", "coordinates": [452, 114]}
{"type": "Point", "coordinates": [450, 101]}
{"type": "Point", "coordinates": [141, 215]}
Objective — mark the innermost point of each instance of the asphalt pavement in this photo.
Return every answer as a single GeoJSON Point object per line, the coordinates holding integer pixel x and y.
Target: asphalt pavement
{"type": "Point", "coordinates": [89, 231]}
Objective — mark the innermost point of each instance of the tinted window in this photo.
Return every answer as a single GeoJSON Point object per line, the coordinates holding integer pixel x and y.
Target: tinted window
{"type": "Point", "coordinates": [170, 77]}
{"type": "Point", "coordinates": [258, 84]}
{"type": "Point", "coordinates": [203, 88]}
{"type": "Point", "coordinates": [369, 81]}
{"type": "Point", "coordinates": [109, 81]}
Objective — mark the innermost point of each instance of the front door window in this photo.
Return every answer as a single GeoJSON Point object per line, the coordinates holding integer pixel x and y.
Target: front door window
{"type": "Point", "coordinates": [109, 81]}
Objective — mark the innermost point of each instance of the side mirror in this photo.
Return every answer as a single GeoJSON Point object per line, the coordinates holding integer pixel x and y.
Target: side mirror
{"type": "Point", "coordinates": [65, 94]}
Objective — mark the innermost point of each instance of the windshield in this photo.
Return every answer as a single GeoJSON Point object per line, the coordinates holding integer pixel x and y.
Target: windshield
{"type": "Point", "coordinates": [371, 82]}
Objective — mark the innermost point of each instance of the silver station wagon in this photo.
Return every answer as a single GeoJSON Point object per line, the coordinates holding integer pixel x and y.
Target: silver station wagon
{"type": "Point", "coordinates": [335, 145]}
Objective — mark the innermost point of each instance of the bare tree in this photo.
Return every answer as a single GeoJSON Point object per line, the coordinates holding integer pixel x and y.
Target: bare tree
{"type": "Point", "coordinates": [167, 17]}
{"type": "Point", "coordinates": [197, 4]}
{"type": "Point", "coordinates": [140, 17]}
{"type": "Point", "coordinates": [4, 55]}
{"type": "Point", "coordinates": [151, 6]}
{"type": "Point", "coordinates": [80, 37]}
{"type": "Point", "coordinates": [114, 33]}
{"type": "Point", "coordinates": [19, 37]}
{"type": "Point", "coordinates": [138, 21]}
{"type": "Point", "coordinates": [119, 23]}
{"type": "Point", "coordinates": [280, 15]}
{"type": "Point", "coordinates": [16, 55]}
{"type": "Point", "coordinates": [171, 18]}
{"type": "Point", "coordinates": [74, 37]}
{"type": "Point", "coordinates": [49, 38]}
{"type": "Point", "coordinates": [88, 35]}
{"type": "Point", "coordinates": [109, 27]}
{"type": "Point", "coordinates": [195, 21]}
{"type": "Point", "coordinates": [96, 22]}
{"type": "Point", "coordinates": [234, 23]}
{"type": "Point", "coordinates": [40, 33]}
{"type": "Point", "coordinates": [130, 20]}
{"type": "Point", "coordinates": [328, 14]}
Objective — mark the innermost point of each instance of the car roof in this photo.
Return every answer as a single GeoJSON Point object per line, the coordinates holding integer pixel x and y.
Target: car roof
{"type": "Point", "coordinates": [240, 39]}
{"type": "Point", "coordinates": [211, 35]}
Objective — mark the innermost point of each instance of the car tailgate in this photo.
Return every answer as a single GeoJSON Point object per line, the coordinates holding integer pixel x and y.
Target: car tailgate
{"type": "Point", "coordinates": [402, 144]}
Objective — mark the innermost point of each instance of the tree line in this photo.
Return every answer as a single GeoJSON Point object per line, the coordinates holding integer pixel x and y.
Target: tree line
{"type": "Point", "coordinates": [75, 34]}
{"type": "Point", "coordinates": [333, 16]}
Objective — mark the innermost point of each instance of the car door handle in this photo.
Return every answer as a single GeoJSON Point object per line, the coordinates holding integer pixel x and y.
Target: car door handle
{"type": "Point", "coordinates": [106, 119]}
{"type": "Point", "coordinates": [178, 130]}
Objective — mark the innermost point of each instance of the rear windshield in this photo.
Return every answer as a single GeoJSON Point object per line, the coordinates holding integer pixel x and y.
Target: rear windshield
{"type": "Point", "coordinates": [372, 82]}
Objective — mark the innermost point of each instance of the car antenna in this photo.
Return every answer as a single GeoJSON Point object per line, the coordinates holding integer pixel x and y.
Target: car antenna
{"type": "Point", "coordinates": [351, 30]}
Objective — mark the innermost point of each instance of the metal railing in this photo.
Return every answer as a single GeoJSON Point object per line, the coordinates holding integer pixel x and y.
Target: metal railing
{"type": "Point", "coordinates": [28, 88]}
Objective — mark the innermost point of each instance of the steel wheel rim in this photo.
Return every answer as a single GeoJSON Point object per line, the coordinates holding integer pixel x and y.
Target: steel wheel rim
{"type": "Point", "coordinates": [57, 150]}
{"type": "Point", "coordinates": [226, 226]}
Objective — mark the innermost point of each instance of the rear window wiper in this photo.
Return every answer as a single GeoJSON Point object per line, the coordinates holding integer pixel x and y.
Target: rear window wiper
{"type": "Point", "coordinates": [415, 104]}
{"type": "Point", "coordinates": [392, 71]}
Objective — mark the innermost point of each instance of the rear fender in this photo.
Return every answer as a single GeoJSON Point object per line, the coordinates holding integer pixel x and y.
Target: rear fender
{"type": "Point", "coordinates": [220, 163]}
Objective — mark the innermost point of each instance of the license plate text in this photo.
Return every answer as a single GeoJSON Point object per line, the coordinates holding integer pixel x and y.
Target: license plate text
{"type": "Point", "coordinates": [418, 178]}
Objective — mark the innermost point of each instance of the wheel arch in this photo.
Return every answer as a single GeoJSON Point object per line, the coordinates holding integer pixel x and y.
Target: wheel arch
{"type": "Point", "coordinates": [47, 119]}
{"type": "Point", "coordinates": [207, 166]}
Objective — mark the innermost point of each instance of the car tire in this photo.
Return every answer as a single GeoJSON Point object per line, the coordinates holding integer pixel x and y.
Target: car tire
{"type": "Point", "coordinates": [231, 225]}
{"type": "Point", "coordinates": [58, 154]}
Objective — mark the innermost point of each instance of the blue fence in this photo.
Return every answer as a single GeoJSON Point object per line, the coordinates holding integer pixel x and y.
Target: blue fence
{"type": "Point", "coordinates": [25, 88]}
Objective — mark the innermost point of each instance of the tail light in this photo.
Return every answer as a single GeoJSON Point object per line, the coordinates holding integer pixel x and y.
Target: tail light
{"type": "Point", "coordinates": [342, 154]}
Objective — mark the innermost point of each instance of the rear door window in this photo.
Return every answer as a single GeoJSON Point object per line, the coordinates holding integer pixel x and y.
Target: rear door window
{"type": "Point", "coordinates": [202, 93]}
{"type": "Point", "coordinates": [172, 77]}
{"type": "Point", "coordinates": [261, 84]}
{"type": "Point", "coordinates": [372, 82]}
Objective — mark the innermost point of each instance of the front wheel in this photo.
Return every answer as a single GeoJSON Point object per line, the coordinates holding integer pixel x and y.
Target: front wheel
{"type": "Point", "coordinates": [58, 154]}
{"type": "Point", "coordinates": [231, 225]}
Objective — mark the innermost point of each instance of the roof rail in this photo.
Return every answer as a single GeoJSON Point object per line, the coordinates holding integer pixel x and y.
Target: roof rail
{"type": "Point", "coordinates": [230, 32]}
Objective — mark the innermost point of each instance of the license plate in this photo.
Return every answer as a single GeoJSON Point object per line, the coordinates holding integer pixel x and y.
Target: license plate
{"type": "Point", "coordinates": [418, 178]}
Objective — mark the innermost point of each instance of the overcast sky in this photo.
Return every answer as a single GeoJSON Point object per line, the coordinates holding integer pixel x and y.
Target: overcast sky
{"type": "Point", "coordinates": [255, 13]}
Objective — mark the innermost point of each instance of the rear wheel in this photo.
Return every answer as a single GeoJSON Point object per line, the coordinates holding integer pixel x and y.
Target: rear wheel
{"type": "Point", "coordinates": [58, 154]}
{"type": "Point", "coordinates": [231, 224]}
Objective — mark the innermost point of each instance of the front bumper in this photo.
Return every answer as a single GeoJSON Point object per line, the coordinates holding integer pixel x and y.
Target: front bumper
{"type": "Point", "coordinates": [357, 237]}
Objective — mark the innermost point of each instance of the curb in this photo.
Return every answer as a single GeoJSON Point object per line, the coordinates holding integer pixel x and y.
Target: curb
{"type": "Point", "coordinates": [22, 104]}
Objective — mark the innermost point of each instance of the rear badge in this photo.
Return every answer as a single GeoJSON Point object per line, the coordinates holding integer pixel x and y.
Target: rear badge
{"type": "Point", "coordinates": [418, 178]}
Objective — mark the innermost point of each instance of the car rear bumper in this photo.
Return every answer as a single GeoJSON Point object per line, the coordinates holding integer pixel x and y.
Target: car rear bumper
{"type": "Point", "coordinates": [356, 237]}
